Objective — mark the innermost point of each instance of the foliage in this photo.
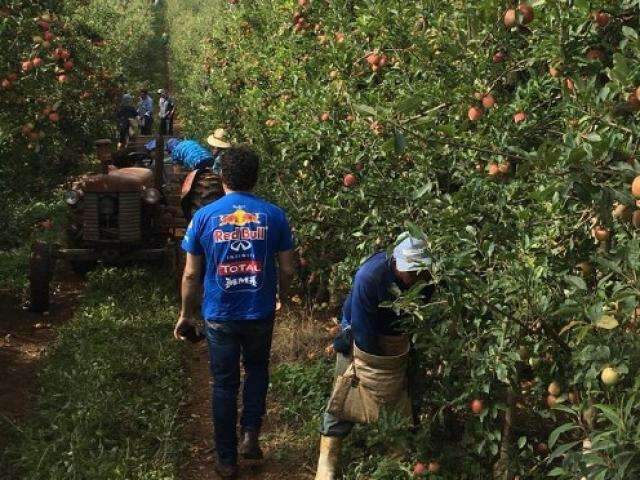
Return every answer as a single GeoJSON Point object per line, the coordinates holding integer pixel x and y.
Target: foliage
{"type": "Point", "coordinates": [110, 388]}
{"type": "Point", "coordinates": [526, 292]}
{"type": "Point", "coordinates": [61, 77]}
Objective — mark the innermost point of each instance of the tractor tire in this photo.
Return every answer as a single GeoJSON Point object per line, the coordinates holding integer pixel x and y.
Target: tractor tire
{"type": "Point", "coordinates": [41, 264]}
{"type": "Point", "coordinates": [82, 267]}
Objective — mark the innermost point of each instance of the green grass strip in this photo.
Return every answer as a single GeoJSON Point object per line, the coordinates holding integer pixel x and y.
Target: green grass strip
{"type": "Point", "coordinates": [110, 388]}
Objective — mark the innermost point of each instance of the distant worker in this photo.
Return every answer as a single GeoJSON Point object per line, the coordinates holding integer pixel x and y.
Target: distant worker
{"type": "Point", "coordinates": [165, 112]}
{"type": "Point", "coordinates": [126, 118]}
{"type": "Point", "coordinates": [240, 245]}
{"type": "Point", "coordinates": [372, 338]}
{"type": "Point", "coordinates": [145, 112]}
{"type": "Point", "coordinates": [190, 154]}
{"type": "Point", "coordinates": [217, 141]}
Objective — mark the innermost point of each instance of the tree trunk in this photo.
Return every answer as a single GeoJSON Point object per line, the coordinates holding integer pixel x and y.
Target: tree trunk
{"type": "Point", "coordinates": [503, 468]}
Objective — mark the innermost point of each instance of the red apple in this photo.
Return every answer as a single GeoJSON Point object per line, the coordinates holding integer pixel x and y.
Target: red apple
{"type": "Point", "coordinates": [474, 114]}
{"type": "Point", "coordinates": [54, 117]}
{"type": "Point", "coordinates": [602, 19]}
{"type": "Point", "coordinates": [26, 65]}
{"type": "Point", "coordinates": [488, 101]}
{"type": "Point", "coordinates": [419, 469]}
{"type": "Point", "coordinates": [373, 59]}
{"type": "Point", "coordinates": [499, 57]}
{"type": "Point", "coordinates": [349, 180]}
{"type": "Point", "coordinates": [519, 117]}
{"type": "Point", "coordinates": [37, 61]}
{"type": "Point", "coordinates": [477, 406]}
{"type": "Point", "coordinates": [6, 84]}
{"type": "Point", "coordinates": [68, 65]}
{"type": "Point", "coordinates": [526, 11]}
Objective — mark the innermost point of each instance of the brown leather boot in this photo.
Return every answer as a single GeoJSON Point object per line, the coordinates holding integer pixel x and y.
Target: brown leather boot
{"type": "Point", "coordinates": [250, 446]}
{"type": "Point", "coordinates": [226, 472]}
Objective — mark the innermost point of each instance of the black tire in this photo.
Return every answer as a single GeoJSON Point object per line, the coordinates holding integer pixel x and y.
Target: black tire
{"type": "Point", "coordinates": [41, 265]}
{"type": "Point", "coordinates": [82, 267]}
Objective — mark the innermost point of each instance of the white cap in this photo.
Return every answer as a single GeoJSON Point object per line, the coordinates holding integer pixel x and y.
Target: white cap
{"type": "Point", "coordinates": [410, 254]}
{"type": "Point", "coordinates": [161, 91]}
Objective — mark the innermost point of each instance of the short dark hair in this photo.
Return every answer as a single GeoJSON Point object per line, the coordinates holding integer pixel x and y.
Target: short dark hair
{"type": "Point", "coordinates": [240, 166]}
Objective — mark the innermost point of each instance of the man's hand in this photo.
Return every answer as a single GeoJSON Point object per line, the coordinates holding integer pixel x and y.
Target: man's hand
{"type": "Point", "coordinates": [190, 294]}
{"type": "Point", "coordinates": [181, 324]}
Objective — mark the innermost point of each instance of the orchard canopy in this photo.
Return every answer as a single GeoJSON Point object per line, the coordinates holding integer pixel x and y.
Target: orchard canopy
{"type": "Point", "coordinates": [504, 133]}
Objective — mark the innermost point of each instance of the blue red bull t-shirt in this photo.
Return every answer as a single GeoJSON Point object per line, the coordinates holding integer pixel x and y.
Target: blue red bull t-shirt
{"type": "Point", "coordinates": [240, 236]}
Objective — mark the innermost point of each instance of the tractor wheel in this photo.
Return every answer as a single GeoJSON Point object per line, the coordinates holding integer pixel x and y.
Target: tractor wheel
{"type": "Point", "coordinates": [82, 267]}
{"type": "Point", "coordinates": [41, 265]}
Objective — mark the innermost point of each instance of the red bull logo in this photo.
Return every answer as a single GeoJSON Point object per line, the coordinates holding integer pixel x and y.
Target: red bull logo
{"type": "Point", "coordinates": [239, 218]}
{"type": "Point", "coordinates": [239, 234]}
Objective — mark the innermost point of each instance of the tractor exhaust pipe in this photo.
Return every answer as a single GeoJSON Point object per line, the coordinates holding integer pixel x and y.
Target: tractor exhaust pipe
{"type": "Point", "coordinates": [103, 151]}
{"type": "Point", "coordinates": [158, 170]}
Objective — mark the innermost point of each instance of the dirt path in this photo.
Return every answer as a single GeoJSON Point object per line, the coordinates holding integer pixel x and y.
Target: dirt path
{"type": "Point", "coordinates": [282, 460]}
{"type": "Point", "coordinates": [24, 339]}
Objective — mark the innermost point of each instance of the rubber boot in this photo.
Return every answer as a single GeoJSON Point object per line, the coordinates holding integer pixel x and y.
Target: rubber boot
{"type": "Point", "coordinates": [328, 460]}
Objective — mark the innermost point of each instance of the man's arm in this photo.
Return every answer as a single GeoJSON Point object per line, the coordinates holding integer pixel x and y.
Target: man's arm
{"type": "Point", "coordinates": [364, 305]}
{"type": "Point", "coordinates": [287, 270]}
{"type": "Point", "coordinates": [191, 284]}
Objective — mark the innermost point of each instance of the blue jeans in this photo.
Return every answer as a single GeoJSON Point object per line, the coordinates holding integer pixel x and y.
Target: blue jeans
{"type": "Point", "coordinates": [332, 426]}
{"type": "Point", "coordinates": [227, 341]}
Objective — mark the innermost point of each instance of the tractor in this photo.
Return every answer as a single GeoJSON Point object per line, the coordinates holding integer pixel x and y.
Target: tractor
{"type": "Point", "coordinates": [133, 213]}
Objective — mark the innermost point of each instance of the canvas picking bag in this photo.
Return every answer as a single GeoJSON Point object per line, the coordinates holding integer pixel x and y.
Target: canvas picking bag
{"type": "Point", "coordinates": [370, 384]}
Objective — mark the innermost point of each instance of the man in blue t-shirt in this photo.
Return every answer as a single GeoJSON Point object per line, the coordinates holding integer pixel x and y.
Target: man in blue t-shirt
{"type": "Point", "coordinates": [234, 243]}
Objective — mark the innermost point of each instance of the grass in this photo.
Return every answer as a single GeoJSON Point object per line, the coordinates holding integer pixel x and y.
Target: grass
{"type": "Point", "coordinates": [110, 388]}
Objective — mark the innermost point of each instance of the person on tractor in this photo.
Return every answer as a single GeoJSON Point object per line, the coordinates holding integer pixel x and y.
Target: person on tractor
{"type": "Point", "coordinates": [242, 246]}
{"type": "Point", "coordinates": [372, 350]}
{"type": "Point", "coordinates": [145, 112]}
{"type": "Point", "coordinates": [165, 112]}
{"type": "Point", "coordinates": [190, 154]}
{"type": "Point", "coordinates": [218, 145]}
{"type": "Point", "coordinates": [126, 118]}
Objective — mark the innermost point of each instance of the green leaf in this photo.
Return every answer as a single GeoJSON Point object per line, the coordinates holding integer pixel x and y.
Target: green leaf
{"type": "Point", "coordinates": [611, 415]}
{"type": "Point", "coordinates": [365, 109]}
{"type": "Point", "coordinates": [629, 33]}
{"type": "Point", "coordinates": [577, 282]}
{"type": "Point", "coordinates": [565, 409]}
{"type": "Point", "coordinates": [607, 322]}
{"type": "Point", "coordinates": [557, 471]}
{"type": "Point", "coordinates": [562, 449]}
{"type": "Point", "coordinates": [522, 441]}
{"type": "Point", "coordinates": [553, 437]}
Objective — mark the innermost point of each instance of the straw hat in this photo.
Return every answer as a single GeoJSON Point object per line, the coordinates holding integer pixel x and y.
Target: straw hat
{"type": "Point", "coordinates": [217, 139]}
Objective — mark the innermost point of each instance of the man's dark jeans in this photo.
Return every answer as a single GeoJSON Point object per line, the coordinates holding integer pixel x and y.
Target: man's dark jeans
{"type": "Point", "coordinates": [227, 341]}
